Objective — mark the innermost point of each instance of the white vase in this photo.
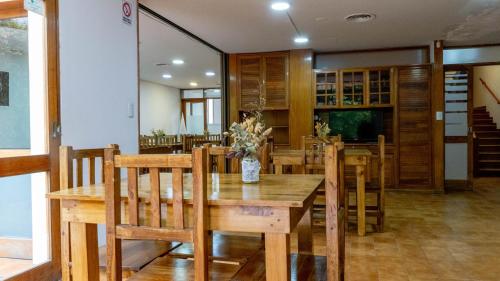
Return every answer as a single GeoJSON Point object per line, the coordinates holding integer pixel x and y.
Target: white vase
{"type": "Point", "coordinates": [250, 168]}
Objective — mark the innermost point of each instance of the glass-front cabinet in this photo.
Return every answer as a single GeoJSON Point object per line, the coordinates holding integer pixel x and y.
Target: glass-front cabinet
{"type": "Point", "coordinates": [353, 88]}
{"type": "Point", "coordinates": [380, 86]}
{"type": "Point", "coordinates": [363, 87]}
{"type": "Point", "coordinates": [326, 89]}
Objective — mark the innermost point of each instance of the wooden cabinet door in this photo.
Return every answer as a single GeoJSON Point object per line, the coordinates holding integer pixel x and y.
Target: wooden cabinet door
{"type": "Point", "coordinates": [415, 139]}
{"type": "Point", "coordinates": [276, 80]}
{"type": "Point", "coordinates": [250, 81]}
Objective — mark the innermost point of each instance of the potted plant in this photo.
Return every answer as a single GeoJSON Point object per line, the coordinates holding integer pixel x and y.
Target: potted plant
{"type": "Point", "coordinates": [322, 130]}
{"type": "Point", "coordinates": [248, 137]}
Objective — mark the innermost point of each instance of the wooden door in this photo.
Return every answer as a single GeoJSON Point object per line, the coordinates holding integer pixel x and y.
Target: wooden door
{"type": "Point", "coordinates": [276, 80]}
{"type": "Point", "coordinates": [415, 129]}
{"type": "Point", "coordinates": [36, 160]}
{"type": "Point", "coordinates": [249, 81]}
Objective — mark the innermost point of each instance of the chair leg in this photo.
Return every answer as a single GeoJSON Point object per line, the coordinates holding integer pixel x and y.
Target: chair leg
{"type": "Point", "coordinates": [380, 214]}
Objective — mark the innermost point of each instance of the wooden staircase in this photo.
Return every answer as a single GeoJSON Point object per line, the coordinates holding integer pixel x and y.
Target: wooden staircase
{"type": "Point", "coordinates": [486, 144]}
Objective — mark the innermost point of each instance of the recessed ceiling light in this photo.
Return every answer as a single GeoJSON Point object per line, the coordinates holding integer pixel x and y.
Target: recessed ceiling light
{"type": "Point", "coordinates": [167, 76]}
{"type": "Point", "coordinates": [193, 84]}
{"type": "Point", "coordinates": [177, 61]}
{"type": "Point", "coordinates": [360, 17]}
{"type": "Point", "coordinates": [301, 40]}
{"type": "Point", "coordinates": [280, 6]}
{"type": "Point", "coordinates": [210, 73]}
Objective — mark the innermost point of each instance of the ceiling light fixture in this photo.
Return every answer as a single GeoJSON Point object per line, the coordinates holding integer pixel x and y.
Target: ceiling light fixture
{"type": "Point", "coordinates": [360, 17]}
{"type": "Point", "coordinates": [301, 39]}
{"type": "Point", "coordinates": [280, 6]}
{"type": "Point", "coordinates": [167, 76]}
{"type": "Point", "coordinates": [193, 84]}
{"type": "Point", "coordinates": [177, 61]}
{"type": "Point", "coordinates": [210, 73]}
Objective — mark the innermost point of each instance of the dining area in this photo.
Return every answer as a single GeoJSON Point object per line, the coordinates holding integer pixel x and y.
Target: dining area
{"type": "Point", "coordinates": [205, 216]}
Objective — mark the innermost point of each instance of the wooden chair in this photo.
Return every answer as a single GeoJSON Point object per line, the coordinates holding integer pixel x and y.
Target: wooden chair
{"type": "Point", "coordinates": [314, 153]}
{"type": "Point", "coordinates": [139, 253]}
{"type": "Point", "coordinates": [335, 211]}
{"type": "Point", "coordinates": [116, 231]}
{"type": "Point", "coordinates": [67, 158]}
{"type": "Point", "coordinates": [374, 187]}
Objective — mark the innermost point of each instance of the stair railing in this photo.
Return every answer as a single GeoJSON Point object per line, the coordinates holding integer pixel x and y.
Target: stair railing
{"type": "Point", "coordinates": [475, 154]}
{"type": "Point", "coordinates": [489, 90]}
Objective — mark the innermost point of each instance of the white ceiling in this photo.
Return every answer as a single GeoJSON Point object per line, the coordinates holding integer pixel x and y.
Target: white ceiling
{"type": "Point", "coordinates": [251, 26]}
{"type": "Point", "coordinates": [161, 43]}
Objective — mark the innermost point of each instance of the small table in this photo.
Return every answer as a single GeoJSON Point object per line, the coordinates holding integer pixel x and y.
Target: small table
{"type": "Point", "coordinates": [358, 157]}
{"type": "Point", "coordinates": [275, 206]}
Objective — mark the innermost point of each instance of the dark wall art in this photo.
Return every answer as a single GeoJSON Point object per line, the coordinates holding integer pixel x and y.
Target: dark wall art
{"type": "Point", "coordinates": [4, 88]}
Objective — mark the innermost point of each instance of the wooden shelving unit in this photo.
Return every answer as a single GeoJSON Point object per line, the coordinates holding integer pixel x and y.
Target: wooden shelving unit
{"type": "Point", "coordinates": [380, 86]}
{"type": "Point", "coordinates": [353, 87]}
{"type": "Point", "coordinates": [326, 89]}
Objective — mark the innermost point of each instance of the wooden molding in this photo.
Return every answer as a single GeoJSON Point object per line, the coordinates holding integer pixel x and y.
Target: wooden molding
{"type": "Point", "coordinates": [14, 166]}
{"type": "Point", "coordinates": [12, 9]}
{"type": "Point", "coordinates": [472, 46]}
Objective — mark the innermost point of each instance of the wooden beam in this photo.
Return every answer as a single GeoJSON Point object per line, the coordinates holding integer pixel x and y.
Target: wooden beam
{"type": "Point", "coordinates": [437, 105]}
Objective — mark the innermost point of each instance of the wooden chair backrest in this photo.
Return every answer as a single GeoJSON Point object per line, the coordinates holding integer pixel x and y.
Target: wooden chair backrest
{"type": "Point", "coordinates": [198, 235]}
{"type": "Point", "coordinates": [336, 211]}
{"type": "Point", "coordinates": [314, 152]}
{"type": "Point", "coordinates": [166, 140]}
{"type": "Point", "coordinates": [69, 156]}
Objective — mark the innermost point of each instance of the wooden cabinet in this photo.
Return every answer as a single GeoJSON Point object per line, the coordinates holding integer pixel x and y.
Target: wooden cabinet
{"type": "Point", "coordinates": [263, 75]}
{"type": "Point", "coordinates": [380, 86]}
{"type": "Point", "coordinates": [354, 88]}
{"type": "Point", "coordinates": [415, 130]}
{"type": "Point", "coordinates": [326, 89]}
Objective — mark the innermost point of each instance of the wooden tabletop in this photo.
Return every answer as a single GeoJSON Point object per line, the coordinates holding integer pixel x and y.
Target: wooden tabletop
{"type": "Point", "coordinates": [223, 189]}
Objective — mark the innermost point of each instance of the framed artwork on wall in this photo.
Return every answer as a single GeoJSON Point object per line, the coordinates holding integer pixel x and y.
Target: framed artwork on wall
{"type": "Point", "coordinates": [4, 88]}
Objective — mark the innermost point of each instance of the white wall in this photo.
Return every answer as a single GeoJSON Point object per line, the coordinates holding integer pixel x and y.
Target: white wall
{"type": "Point", "coordinates": [490, 75]}
{"type": "Point", "coordinates": [98, 74]}
{"type": "Point", "coordinates": [160, 108]}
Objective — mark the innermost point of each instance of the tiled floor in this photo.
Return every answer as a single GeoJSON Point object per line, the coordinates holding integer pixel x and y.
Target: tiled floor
{"type": "Point", "coordinates": [430, 237]}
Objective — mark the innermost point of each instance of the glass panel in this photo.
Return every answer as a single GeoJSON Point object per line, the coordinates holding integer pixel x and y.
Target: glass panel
{"type": "Point", "coordinates": [330, 89]}
{"type": "Point", "coordinates": [385, 99]}
{"type": "Point", "coordinates": [374, 99]}
{"type": "Point", "coordinates": [214, 109]}
{"type": "Point", "coordinates": [24, 222]}
{"type": "Point", "coordinates": [330, 78]}
{"type": "Point", "coordinates": [195, 118]}
{"type": "Point", "coordinates": [192, 94]}
{"type": "Point", "coordinates": [320, 77]}
{"type": "Point", "coordinates": [320, 100]}
{"type": "Point", "coordinates": [212, 93]}
{"type": "Point", "coordinates": [320, 89]}
{"type": "Point", "coordinates": [331, 100]}
{"type": "Point", "coordinates": [22, 86]}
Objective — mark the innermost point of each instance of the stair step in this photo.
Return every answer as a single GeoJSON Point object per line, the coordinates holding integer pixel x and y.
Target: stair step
{"type": "Point", "coordinates": [488, 148]}
{"type": "Point", "coordinates": [484, 127]}
{"type": "Point", "coordinates": [489, 172]}
{"type": "Point", "coordinates": [489, 164]}
{"type": "Point", "coordinates": [489, 155]}
{"type": "Point", "coordinates": [489, 140]}
{"type": "Point", "coordinates": [482, 134]}
{"type": "Point", "coordinates": [480, 107]}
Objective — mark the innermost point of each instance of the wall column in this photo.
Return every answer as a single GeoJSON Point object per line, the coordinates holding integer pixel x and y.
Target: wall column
{"type": "Point", "coordinates": [437, 102]}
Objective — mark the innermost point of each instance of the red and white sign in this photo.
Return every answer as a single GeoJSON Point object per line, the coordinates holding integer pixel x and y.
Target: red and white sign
{"type": "Point", "coordinates": [127, 12]}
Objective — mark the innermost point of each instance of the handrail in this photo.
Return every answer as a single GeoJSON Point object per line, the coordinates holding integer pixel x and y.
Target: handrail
{"type": "Point", "coordinates": [489, 90]}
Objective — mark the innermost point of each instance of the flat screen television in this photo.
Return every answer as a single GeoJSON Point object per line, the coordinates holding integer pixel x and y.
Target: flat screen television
{"type": "Point", "coordinates": [355, 125]}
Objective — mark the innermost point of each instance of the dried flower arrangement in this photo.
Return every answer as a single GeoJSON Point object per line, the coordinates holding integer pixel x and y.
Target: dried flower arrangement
{"type": "Point", "coordinates": [249, 135]}
{"type": "Point", "coordinates": [322, 130]}
{"type": "Point", "coordinates": [158, 133]}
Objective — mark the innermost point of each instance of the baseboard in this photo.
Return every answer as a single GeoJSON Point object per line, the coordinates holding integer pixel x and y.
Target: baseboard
{"type": "Point", "coordinates": [457, 185]}
{"type": "Point", "coordinates": [16, 248]}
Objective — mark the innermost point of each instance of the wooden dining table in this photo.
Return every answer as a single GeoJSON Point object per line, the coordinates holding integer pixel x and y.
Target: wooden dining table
{"type": "Point", "coordinates": [276, 205]}
{"type": "Point", "coordinates": [358, 157]}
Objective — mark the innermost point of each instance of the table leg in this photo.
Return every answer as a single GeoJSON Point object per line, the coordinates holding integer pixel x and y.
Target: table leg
{"type": "Point", "coordinates": [360, 190]}
{"type": "Point", "coordinates": [65, 251]}
{"type": "Point", "coordinates": [304, 233]}
{"type": "Point", "coordinates": [84, 251]}
{"type": "Point", "coordinates": [277, 256]}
